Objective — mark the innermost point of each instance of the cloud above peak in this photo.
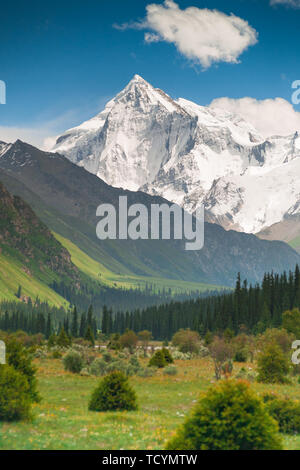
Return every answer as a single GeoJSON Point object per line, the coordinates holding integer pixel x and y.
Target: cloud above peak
{"type": "Point", "coordinates": [270, 117]}
{"type": "Point", "coordinates": [291, 3]}
{"type": "Point", "coordinates": [203, 36]}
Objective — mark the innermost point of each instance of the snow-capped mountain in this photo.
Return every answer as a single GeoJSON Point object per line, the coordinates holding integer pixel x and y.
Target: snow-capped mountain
{"type": "Point", "coordinates": [189, 154]}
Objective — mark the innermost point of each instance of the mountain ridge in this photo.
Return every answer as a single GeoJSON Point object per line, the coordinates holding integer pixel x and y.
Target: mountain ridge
{"type": "Point", "coordinates": [189, 154]}
{"type": "Point", "coordinates": [66, 196]}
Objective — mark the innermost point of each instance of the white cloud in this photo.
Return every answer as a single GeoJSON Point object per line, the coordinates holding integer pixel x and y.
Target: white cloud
{"type": "Point", "coordinates": [43, 132]}
{"type": "Point", "coordinates": [33, 136]}
{"type": "Point", "coordinates": [270, 117]}
{"type": "Point", "coordinates": [38, 132]}
{"type": "Point", "coordinates": [203, 36]}
{"type": "Point", "coordinates": [152, 37]}
{"type": "Point", "coordinates": [291, 3]}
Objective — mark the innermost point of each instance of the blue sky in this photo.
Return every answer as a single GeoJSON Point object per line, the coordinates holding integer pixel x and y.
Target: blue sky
{"type": "Point", "coordinates": [63, 60]}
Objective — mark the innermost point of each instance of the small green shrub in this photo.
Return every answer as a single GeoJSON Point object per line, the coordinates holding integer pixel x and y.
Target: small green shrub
{"type": "Point", "coordinates": [57, 354]}
{"type": "Point", "coordinates": [167, 355]}
{"type": "Point", "coordinates": [229, 417]}
{"type": "Point", "coordinates": [73, 362]}
{"type": "Point", "coordinates": [158, 360]}
{"type": "Point", "coordinates": [170, 370]}
{"type": "Point", "coordinates": [269, 396]}
{"type": "Point", "coordinates": [117, 366]}
{"type": "Point", "coordinates": [113, 393]}
{"type": "Point", "coordinates": [20, 359]}
{"type": "Point", "coordinates": [272, 365]}
{"type": "Point", "coordinates": [245, 374]}
{"type": "Point", "coordinates": [147, 372]}
{"type": "Point", "coordinates": [15, 399]}
{"type": "Point", "coordinates": [134, 363]}
{"type": "Point", "coordinates": [182, 356]}
{"type": "Point", "coordinates": [98, 367]}
{"type": "Point", "coordinates": [240, 356]}
{"type": "Point", "coordinates": [107, 356]}
{"type": "Point", "coordinates": [287, 413]}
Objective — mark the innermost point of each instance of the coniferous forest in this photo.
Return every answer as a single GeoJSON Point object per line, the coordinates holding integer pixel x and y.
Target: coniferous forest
{"type": "Point", "coordinates": [248, 307]}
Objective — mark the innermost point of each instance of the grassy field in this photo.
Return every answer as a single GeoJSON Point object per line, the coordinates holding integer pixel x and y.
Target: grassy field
{"type": "Point", "coordinates": [62, 419]}
{"type": "Point", "coordinates": [99, 272]}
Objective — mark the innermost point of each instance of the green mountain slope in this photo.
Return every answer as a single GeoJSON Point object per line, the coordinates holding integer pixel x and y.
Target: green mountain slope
{"type": "Point", "coordinates": [45, 266]}
{"type": "Point", "coordinates": [30, 256]}
{"type": "Point", "coordinates": [100, 273]}
{"type": "Point", "coordinates": [12, 275]}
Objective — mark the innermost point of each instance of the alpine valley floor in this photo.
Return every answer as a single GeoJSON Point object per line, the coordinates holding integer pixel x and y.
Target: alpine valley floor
{"type": "Point", "coordinates": [62, 420]}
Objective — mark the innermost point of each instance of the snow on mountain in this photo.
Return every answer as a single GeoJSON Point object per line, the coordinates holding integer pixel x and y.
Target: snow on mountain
{"type": "Point", "coordinates": [3, 148]}
{"type": "Point", "coordinates": [189, 154]}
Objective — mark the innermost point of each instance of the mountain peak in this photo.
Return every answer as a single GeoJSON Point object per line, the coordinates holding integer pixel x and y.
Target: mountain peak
{"type": "Point", "coordinates": [144, 140]}
{"type": "Point", "coordinates": [138, 84]}
{"type": "Point", "coordinates": [138, 78]}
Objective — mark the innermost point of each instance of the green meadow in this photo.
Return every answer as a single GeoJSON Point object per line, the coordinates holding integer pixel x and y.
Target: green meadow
{"type": "Point", "coordinates": [62, 420]}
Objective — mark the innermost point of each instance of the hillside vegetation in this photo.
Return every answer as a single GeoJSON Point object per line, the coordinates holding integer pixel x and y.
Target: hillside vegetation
{"type": "Point", "coordinates": [101, 273]}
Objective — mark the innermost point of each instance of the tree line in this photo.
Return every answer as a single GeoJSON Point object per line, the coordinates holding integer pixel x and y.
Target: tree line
{"type": "Point", "coordinates": [250, 307]}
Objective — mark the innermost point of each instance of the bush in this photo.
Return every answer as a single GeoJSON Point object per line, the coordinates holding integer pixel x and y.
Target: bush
{"type": "Point", "coordinates": [15, 400]}
{"type": "Point", "coordinates": [287, 413]}
{"type": "Point", "coordinates": [171, 370]}
{"type": "Point", "coordinates": [129, 340]}
{"type": "Point", "coordinates": [114, 342]}
{"type": "Point", "coordinates": [117, 366]}
{"type": "Point", "coordinates": [273, 365]}
{"type": "Point", "coordinates": [113, 393]}
{"type": "Point", "coordinates": [147, 372]}
{"type": "Point", "coordinates": [221, 353]}
{"type": "Point", "coordinates": [63, 339]}
{"type": "Point", "coordinates": [291, 321]}
{"type": "Point", "coordinates": [241, 356]}
{"type": "Point", "coordinates": [56, 354]}
{"type": "Point", "coordinates": [187, 341]}
{"type": "Point", "coordinates": [107, 356]}
{"type": "Point", "coordinates": [167, 355]}
{"type": "Point", "coordinates": [278, 336]}
{"type": "Point", "coordinates": [245, 374]}
{"type": "Point", "coordinates": [98, 367]}
{"type": "Point", "coordinates": [158, 360]}
{"type": "Point", "coordinates": [133, 366]}
{"type": "Point", "coordinates": [73, 362]}
{"type": "Point", "coordinates": [134, 362]}
{"type": "Point", "coordinates": [182, 356]}
{"type": "Point", "coordinates": [229, 417]}
{"type": "Point", "coordinates": [19, 358]}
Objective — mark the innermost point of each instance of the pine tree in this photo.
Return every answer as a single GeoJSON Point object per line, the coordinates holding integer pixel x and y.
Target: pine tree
{"type": "Point", "coordinates": [63, 339]}
{"type": "Point", "coordinates": [48, 327]}
{"type": "Point", "coordinates": [19, 292]}
{"type": "Point", "coordinates": [89, 336]}
{"type": "Point", "coordinates": [74, 327]}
